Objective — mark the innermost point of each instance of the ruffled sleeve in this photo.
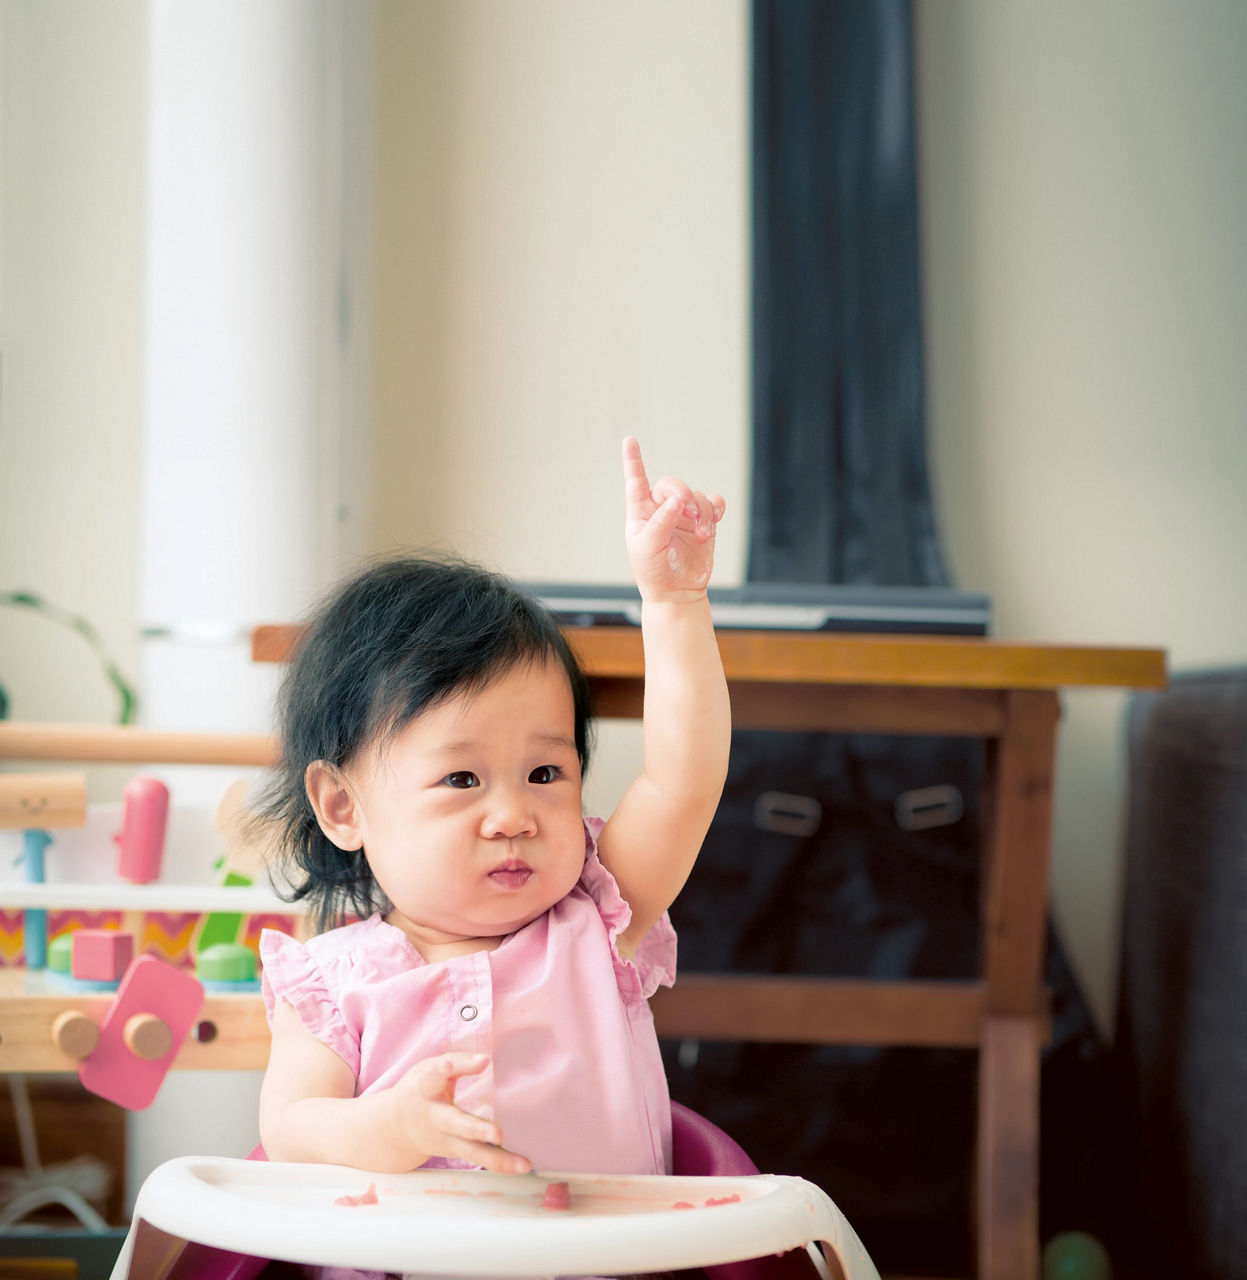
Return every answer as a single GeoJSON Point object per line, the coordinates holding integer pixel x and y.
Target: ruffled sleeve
{"type": "Point", "coordinates": [654, 963]}
{"type": "Point", "coordinates": [292, 974]}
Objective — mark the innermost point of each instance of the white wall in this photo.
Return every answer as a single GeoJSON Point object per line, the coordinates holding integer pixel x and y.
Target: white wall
{"type": "Point", "coordinates": [1084, 218]}
{"type": "Point", "coordinates": [80, 371]}
{"type": "Point", "coordinates": [561, 251]}
{"type": "Point", "coordinates": [198, 150]}
{"type": "Point", "coordinates": [561, 260]}
{"type": "Point", "coordinates": [560, 248]}
{"type": "Point", "coordinates": [71, 334]}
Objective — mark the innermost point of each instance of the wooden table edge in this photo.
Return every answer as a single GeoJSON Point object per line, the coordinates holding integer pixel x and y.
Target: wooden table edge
{"type": "Point", "coordinates": [830, 658]}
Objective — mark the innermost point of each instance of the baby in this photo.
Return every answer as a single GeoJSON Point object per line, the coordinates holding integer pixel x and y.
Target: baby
{"type": "Point", "coordinates": [488, 1007]}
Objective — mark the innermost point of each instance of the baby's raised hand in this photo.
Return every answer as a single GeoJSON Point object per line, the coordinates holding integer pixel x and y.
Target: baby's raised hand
{"type": "Point", "coordinates": [669, 531]}
{"type": "Point", "coordinates": [429, 1122]}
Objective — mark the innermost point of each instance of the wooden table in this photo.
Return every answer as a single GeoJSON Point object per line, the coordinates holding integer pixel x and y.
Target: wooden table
{"type": "Point", "coordinates": [1006, 694]}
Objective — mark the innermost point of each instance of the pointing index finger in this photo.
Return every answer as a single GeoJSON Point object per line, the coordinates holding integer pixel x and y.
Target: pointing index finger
{"type": "Point", "coordinates": [636, 483]}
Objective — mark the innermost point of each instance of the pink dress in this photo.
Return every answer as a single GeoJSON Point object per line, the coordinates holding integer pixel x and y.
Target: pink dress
{"type": "Point", "coordinates": [575, 1082]}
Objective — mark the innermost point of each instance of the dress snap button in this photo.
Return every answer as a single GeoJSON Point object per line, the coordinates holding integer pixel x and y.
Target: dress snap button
{"type": "Point", "coordinates": [468, 1012]}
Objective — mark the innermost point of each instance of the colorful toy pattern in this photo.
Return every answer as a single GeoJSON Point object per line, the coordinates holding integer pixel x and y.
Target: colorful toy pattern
{"type": "Point", "coordinates": [172, 936]}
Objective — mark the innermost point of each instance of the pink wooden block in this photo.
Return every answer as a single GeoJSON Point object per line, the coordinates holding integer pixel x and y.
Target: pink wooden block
{"type": "Point", "coordinates": [101, 954]}
{"type": "Point", "coordinates": [141, 840]}
{"type": "Point", "coordinates": [150, 988]}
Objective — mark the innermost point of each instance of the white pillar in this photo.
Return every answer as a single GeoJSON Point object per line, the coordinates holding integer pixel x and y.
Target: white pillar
{"type": "Point", "coordinates": [244, 370]}
{"type": "Point", "coordinates": [238, 300]}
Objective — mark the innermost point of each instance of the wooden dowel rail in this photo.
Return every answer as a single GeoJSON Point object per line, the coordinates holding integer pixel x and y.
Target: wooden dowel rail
{"type": "Point", "coordinates": [125, 744]}
{"type": "Point", "coordinates": [809, 1010]}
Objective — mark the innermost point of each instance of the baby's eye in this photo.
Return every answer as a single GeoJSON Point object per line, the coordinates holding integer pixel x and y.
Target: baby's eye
{"type": "Point", "coordinates": [461, 779]}
{"type": "Point", "coordinates": [544, 773]}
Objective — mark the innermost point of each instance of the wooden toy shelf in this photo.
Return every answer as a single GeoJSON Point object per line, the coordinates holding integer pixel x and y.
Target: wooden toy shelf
{"type": "Point", "coordinates": [232, 1032]}
{"type": "Point", "coordinates": [1006, 694]}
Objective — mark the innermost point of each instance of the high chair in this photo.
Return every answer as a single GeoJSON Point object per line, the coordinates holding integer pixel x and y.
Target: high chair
{"type": "Point", "coordinates": [211, 1218]}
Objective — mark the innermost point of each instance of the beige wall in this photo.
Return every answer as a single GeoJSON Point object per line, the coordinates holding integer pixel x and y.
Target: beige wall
{"type": "Point", "coordinates": [560, 261]}
{"type": "Point", "coordinates": [563, 263]}
{"type": "Point", "coordinates": [71, 204]}
{"type": "Point", "coordinates": [1084, 219]}
{"type": "Point", "coordinates": [560, 258]}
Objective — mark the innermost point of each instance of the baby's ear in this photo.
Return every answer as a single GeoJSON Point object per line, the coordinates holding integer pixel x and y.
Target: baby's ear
{"type": "Point", "coordinates": [334, 804]}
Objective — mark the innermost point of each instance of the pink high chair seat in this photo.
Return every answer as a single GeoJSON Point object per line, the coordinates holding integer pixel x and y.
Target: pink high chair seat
{"type": "Point", "coordinates": [699, 1150]}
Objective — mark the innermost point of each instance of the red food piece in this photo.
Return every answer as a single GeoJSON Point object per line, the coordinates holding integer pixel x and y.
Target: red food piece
{"type": "Point", "coordinates": [556, 1197]}
{"type": "Point", "coordinates": [366, 1197]}
{"type": "Point", "coordinates": [723, 1200]}
{"type": "Point", "coordinates": [683, 1204]}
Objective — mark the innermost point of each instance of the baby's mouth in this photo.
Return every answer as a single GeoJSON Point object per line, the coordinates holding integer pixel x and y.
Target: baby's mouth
{"type": "Point", "coordinates": [511, 875]}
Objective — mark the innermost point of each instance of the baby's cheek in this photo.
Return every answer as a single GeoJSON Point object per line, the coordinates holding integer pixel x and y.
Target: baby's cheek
{"type": "Point", "coordinates": [572, 858]}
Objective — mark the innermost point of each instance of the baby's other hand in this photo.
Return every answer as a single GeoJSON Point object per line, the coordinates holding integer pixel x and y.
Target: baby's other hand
{"type": "Point", "coordinates": [669, 530]}
{"type": "Point", "coordinates": [429, 1122]}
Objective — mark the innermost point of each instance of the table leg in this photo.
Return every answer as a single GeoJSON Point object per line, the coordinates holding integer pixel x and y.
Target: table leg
{"type": "Point", "coordinates": [1015, 909]}
{"type": "Point", "coordinates": [1019, 851]}
{"type": "Point", "coordinates": [1008, 1149]}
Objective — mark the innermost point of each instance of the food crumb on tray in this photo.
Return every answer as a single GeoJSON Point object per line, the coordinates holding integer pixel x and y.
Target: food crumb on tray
{"type": "Point", "coordinates": [557, 1196]}
{"type": "Point", "coordinates": [365, 1197]}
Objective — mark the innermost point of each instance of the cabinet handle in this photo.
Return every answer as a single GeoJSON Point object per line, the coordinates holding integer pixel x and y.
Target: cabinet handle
{"type": "Point", "coordinates": [787, 815]}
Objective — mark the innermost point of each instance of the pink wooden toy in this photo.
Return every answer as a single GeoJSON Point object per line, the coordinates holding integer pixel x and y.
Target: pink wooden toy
{"type": "Point", "coordinates": [142, 835]}
{"type": "Point", "coordinates": [149, 1018]}
{"type": "Point", "coordinates": [101, 954]}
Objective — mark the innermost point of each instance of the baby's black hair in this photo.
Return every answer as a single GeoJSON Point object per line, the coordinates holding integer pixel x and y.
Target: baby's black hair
{"type": "Point", "coordinates": [397, 640]}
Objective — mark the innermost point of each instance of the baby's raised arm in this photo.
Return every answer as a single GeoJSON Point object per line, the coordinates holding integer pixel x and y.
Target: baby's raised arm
{"type": "Point", "coordinates": [651, 840]}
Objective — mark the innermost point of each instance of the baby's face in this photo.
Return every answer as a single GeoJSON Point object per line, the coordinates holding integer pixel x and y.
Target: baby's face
{"type": "Point", "coordinates": [471, 818]}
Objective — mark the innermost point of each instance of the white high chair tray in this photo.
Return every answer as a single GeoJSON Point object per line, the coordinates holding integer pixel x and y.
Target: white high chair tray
{"type": "Point", "coordinates": [454, 1223]}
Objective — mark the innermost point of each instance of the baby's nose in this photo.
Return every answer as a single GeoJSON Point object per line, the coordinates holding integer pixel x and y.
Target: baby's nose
{"type": "Point", "coordinates": [509, 817]}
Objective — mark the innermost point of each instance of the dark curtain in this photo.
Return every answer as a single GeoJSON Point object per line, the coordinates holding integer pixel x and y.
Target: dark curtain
{"type": "Point", "coordinates": [840, 489]}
